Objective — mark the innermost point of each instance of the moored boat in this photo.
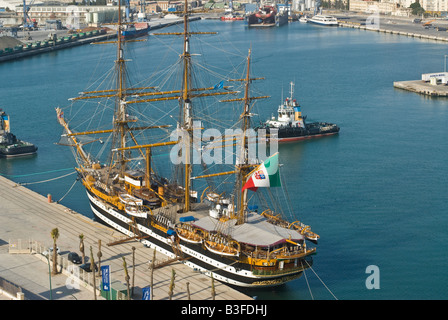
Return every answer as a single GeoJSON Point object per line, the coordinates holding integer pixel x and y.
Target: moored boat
{"type": "Point", "coordinates": [221, 236]}
{"type": "Point", "coordinates": [268, 15]}
{"type": "Point", "coordinates": [10, 145]}
{"type": "Point", "coordinates": [290, 124]}
{"type": "Point", "coordinates": [324, 20]}
{"type": "Point", "coordinates": [135, 30]}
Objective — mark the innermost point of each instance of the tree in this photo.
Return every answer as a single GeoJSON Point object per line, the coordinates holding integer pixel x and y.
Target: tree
{"type": "Point", "coordinates": [213, 287]}
{"type": "Point", "coordinates": [55, 236]}
{"type": "Point", "coordinates": [153, 261]}
{"type": "Point", "coordinates": [99, 254]}
{"type": "Point", "coordinates": [81, 247]}
{"type": "Point", "coordinates": [172, 285]}
{"type": "Point", "coordinates": [92, 269]}
{"type": "Point", "coordinates": [133, 270]}
{"type": "Point", "coordinates": [416, 8]}
{"type": "Point", "coordinates": [126, 276]}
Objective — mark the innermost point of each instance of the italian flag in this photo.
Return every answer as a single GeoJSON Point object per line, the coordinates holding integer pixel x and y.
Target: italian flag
{"type": "Point", "coordinates": [266, 175]}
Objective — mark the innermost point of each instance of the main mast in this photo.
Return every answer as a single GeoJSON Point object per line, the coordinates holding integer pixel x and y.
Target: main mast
{"type": "Point", "coordinates": [187, 117]}
{"type": "Point", "coordinates": [244, 161]}
{"type": "Point", "coordinates": [120, 122]}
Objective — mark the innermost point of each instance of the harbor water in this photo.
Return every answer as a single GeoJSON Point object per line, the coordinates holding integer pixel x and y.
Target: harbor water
{"type": "Point", "coordinates": [376, 193]}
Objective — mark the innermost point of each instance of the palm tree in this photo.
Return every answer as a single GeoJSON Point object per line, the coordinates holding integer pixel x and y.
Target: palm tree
{"type": "Point", "coordinates": [133, 270]}
{"type": "Point", "coordinates": [152, 274]}
{"type": "Point", "coordinates": [92, 268]}
{"type": "Point", "coordinates": [213, 287]}
{"type": "Point", "coordinates": [81, 247]}
{"type": "Point", "coordinates": [172, 285]}
{"type": "Point", "coordinates": [55, 236]}
{"type": "Point", "coordinates": [99, 257]}
{"type": "Point", "coordinates": [126, 276]}
{"type": "Point", "coordinates": [188, 290]}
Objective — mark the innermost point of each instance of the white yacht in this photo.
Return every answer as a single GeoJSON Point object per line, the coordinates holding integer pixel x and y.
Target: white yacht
{"type": "Point", "coordinates": [324, 20]}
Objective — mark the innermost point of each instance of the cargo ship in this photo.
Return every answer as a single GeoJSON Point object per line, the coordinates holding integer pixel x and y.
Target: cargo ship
{"type": "Point", "coordinates": [135, 30]}
{"type": "Point", "coordinates": [10, 145]}
{"type": "Point", "coordinates": [290, 125]}
{"type": "Point", "coordinates": [267, 16]}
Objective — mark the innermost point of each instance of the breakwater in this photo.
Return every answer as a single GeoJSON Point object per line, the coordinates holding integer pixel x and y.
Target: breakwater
{"type": "Point", "coordinates": [399, 26]}
{"type": "Point", "coordinates": [72, 40]}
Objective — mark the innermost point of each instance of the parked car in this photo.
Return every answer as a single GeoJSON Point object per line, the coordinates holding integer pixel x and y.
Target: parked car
{"type": "Point", "coordinates": [86, 267]}
{"type": "Point", "coordinates": [74, 258]}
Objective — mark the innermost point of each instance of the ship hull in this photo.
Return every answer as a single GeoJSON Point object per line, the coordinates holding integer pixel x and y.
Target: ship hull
{"type": "Point", "coordinates": [17, 151]}
{"type": "Point", "coordinates": [313, 130]}
{"type": "Point", "coordinates": [270, 21]}
{"type": "Point", "coordinates": [135, 33]}
{"type": "Point", "coordinates": [311, 136]}
{"type": "Point", "coordinates": [224, 269]}
{"type": "Point", "coordinates": [141, 30]}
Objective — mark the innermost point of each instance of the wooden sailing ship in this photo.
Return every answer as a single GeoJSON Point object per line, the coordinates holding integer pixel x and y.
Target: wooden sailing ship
{"type": "Point", "coordinates": [218, 235]}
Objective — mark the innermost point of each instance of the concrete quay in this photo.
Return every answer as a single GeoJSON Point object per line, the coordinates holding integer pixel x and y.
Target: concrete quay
{"type": "Point", "coordinates": [27, 215]}
{"type": "Point", "coordinates": [41, 35]}
{"type": "Point", "coordinates": [403, 26]}
{"type": "Point", "coordinates": [422, 87]}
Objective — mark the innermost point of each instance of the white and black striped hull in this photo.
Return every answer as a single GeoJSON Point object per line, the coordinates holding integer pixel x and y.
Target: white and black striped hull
{"type": "Point", "coordinates": [224, 269]}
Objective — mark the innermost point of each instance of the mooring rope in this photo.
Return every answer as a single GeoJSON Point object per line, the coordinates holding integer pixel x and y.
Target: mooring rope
{"type": "Point", "coordinates": [76, 180]}
{"type": "Point", "coordinates": [306, 279]}
{"type": "Point", "coordinates": [321, 281]}
{"type": "Point", "coordinates": [33, 174]}
{"type": "Point", "coordinates": [63, 176]}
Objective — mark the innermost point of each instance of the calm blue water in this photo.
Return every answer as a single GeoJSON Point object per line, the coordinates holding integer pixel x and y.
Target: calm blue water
{"type": "Point", "coordinates": [376, 193]}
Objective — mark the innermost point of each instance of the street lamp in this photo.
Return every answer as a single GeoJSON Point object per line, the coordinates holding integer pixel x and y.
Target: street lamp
{"type": "Point", "coordinates": [49, 276]}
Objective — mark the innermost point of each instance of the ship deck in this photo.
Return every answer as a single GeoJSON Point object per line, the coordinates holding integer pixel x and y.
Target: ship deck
{"type": "Point", "coordinates": [255, 232]}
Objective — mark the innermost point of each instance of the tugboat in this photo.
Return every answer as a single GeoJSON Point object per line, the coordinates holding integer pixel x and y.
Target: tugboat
{"type": "Point", "coordinates": [10, 146]}
{"type": "Point", "coordinates": [291, 124]}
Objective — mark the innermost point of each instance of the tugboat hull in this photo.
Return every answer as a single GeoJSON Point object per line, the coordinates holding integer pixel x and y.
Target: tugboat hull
{"type": "Point", "coordinates": [312, 130]}
{"type": "Point", "coordinates": [17, 151]}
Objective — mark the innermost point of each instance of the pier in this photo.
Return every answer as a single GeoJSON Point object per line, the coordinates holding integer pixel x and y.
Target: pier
{"type": "Point", "coordinates": [403, 26]}
{"type": "Point", "coordinates": [423, 87]}
{"type": "Point", "coordinates": [156, 23]}
{"type": "Point", "coordinates": [29, 216]}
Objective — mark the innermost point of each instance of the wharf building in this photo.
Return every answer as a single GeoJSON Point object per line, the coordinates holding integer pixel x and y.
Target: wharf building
{"type": "Point", "coordinates": [79, 16]}
{"type": "Point", "coordinates": [398, 7]}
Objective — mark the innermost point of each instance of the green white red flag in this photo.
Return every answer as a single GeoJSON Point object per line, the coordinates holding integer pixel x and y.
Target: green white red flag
{"type": "Point", "coordinates": [266, 175]}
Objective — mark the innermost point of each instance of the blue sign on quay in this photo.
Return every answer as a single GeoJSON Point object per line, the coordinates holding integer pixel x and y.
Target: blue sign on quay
{"type": "Point", "coordinates": [105, 273]}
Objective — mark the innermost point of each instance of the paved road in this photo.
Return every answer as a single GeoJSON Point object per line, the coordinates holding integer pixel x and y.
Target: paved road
{"type": "Point", "coordinates": [28, 215]}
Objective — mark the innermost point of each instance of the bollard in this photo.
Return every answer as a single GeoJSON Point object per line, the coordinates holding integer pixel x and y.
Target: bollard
{"type": "Point", "coordinates": [49, 198]}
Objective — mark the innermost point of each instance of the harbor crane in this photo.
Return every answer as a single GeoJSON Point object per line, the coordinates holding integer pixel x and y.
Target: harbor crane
{"type": "Point", "coordinates": [28, 24]}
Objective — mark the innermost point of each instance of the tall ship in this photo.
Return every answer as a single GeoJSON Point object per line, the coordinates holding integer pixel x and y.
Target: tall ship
{"type": "Point", "coordinates": [10, 145]}
{"type": "Point", "coordinates": [290, 125]}
{"type": "Point", "coordinates": [268, 15]}
{"type": "Point", "coordinates": [226, 234]}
